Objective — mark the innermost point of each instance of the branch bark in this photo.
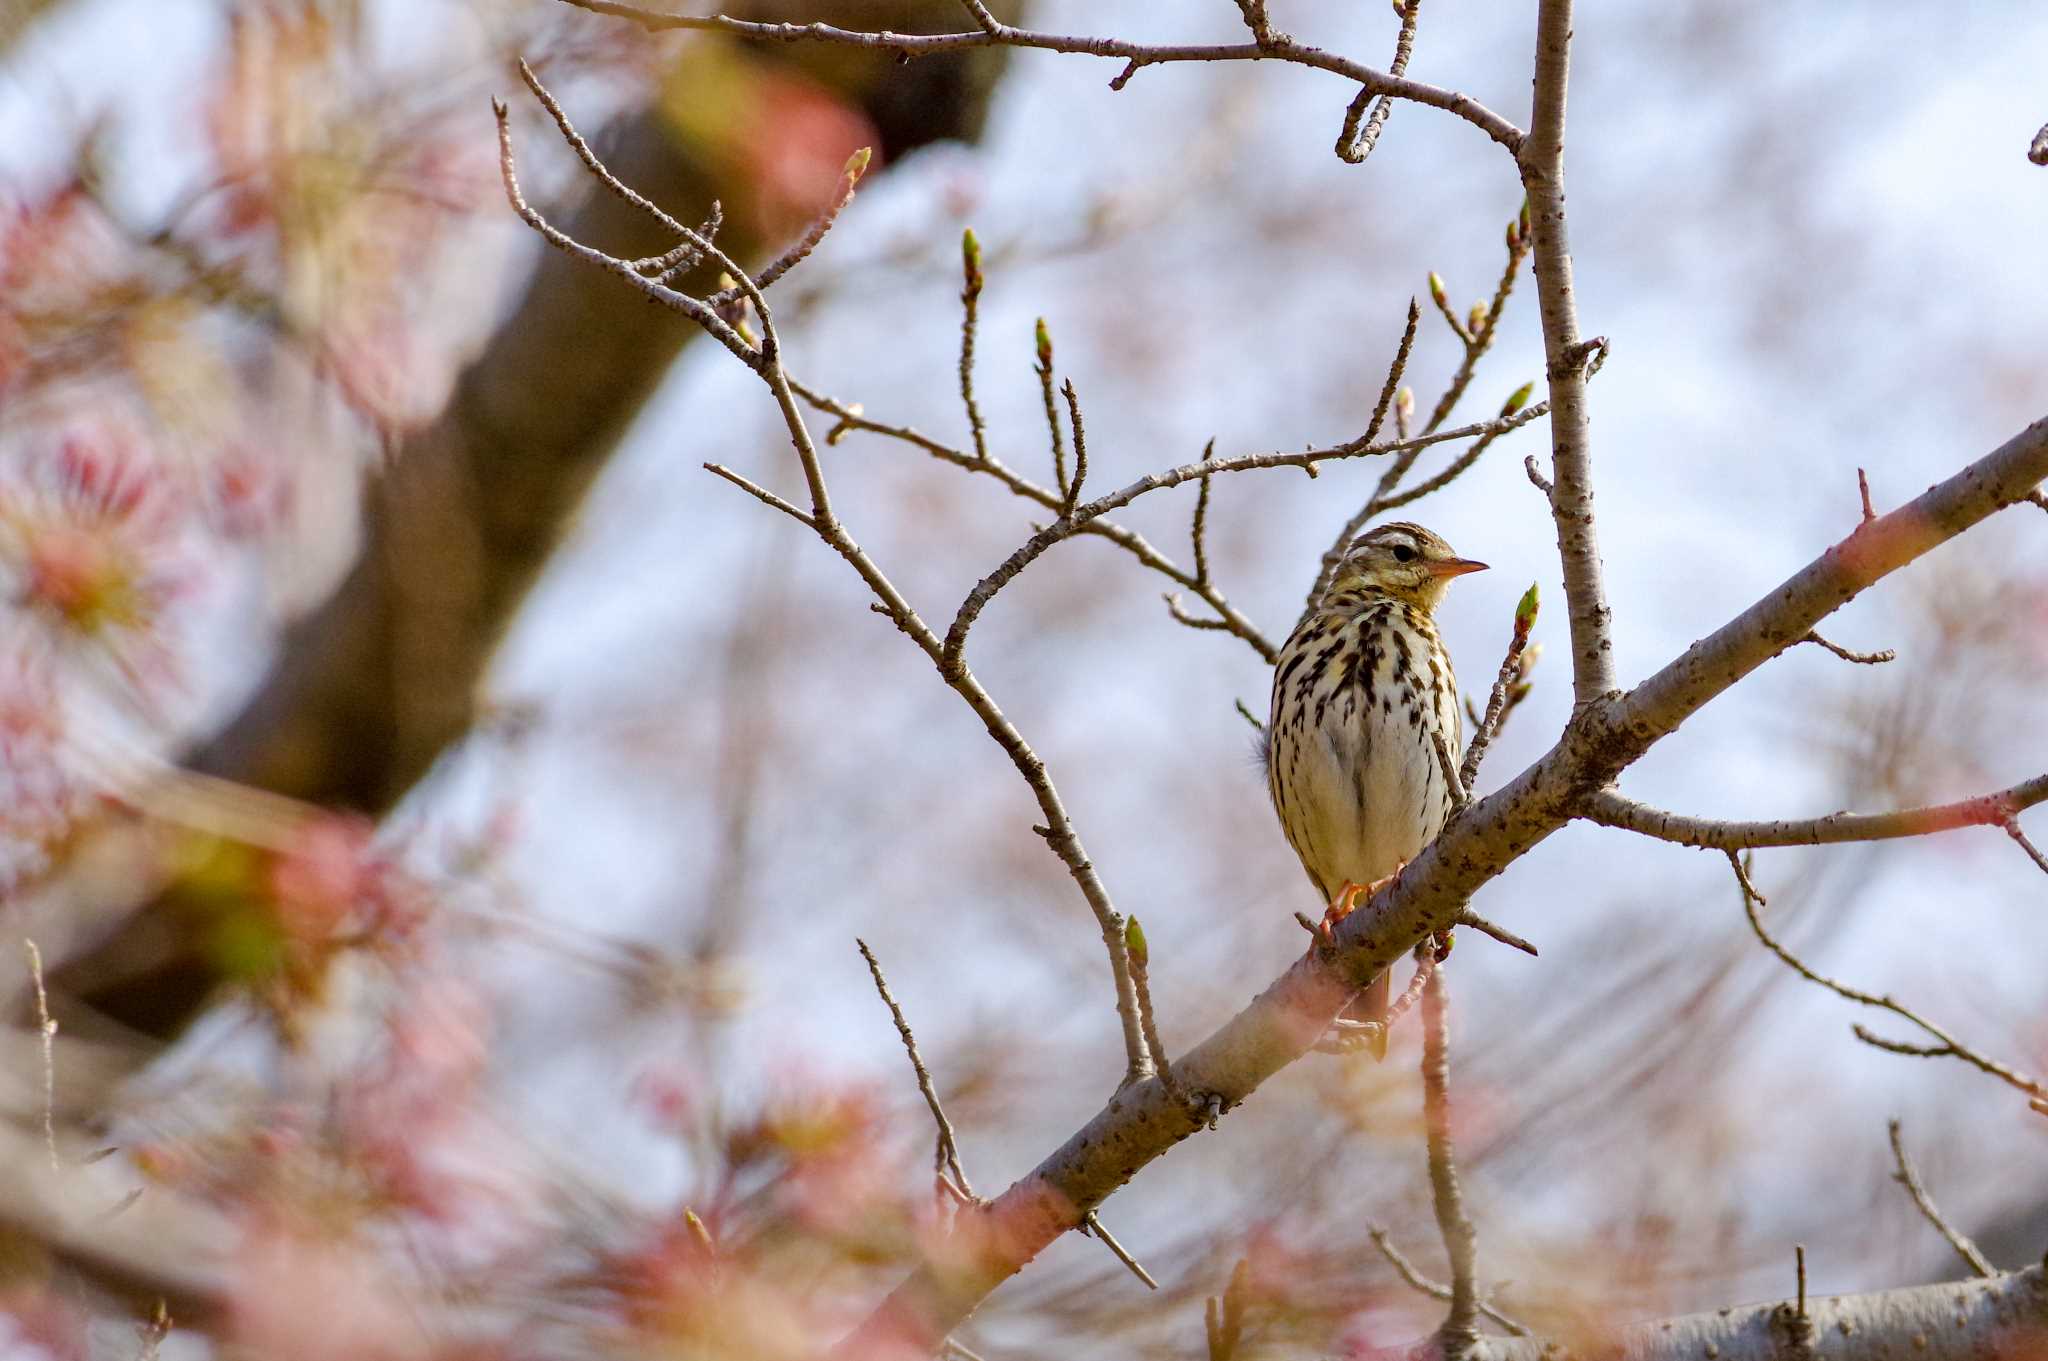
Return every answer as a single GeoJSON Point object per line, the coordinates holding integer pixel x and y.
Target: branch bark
{"type": "Point", "coordinates": [1571, 497]}
{"type": "Point", "coordinates": [1966, 1321]}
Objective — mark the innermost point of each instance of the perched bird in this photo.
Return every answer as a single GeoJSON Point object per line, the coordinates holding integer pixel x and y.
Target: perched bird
{"type": "Point", "coordinates": [1362, 691]}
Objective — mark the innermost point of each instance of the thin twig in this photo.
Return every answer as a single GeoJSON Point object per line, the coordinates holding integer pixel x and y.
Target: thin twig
{"type": "Point", "coordinates": [1497, 932]}
{"type": "Point", "coordinates": [1973, 1256]}
{"type": "Point", "coordinates": [1140, 955]}
{"type": "Point", "coordinates": [46, 1031]}
{"type": "Point", "coordinates": [1133, 55]}
{"type": "Point", "coordinates": [766, 362]}
{"type": "Point", "coordinates": [1945, 1046]}
{"type": "Point", "coordinates": [1258, 724]}
{"type": "Point", "coordinates": [850, 416]}
{"type": "Point", "coordinates": [1223, 1320]}
{"type": "Point", "coordinates": [1080, 448]}
{"type": "Point", "coordinates": [2012, 829]}
{"type": "Point", "coordinates": [849, 180]}
{"type": "Point", "coordinates": [1497, 698]}
{"type": "Point", "coordinates": [1043, 368]}
{"type": "Point", "coordinates": [1860, 658]}
{"type": "Point", "coordinates": [1355, 143]}
{"type": "Point", "coordinates": [1389, 391]}
{"type": "Point", "coordinates": [1863, 492]}
{"type": "Point", "coordinates": [946, 1153]}
{"type": "Point", "coordinates": [1610, 808]}
{"type": "Point", "coordinates": [1073, 522]}
{"type": "Point", "coordinates": [970, 300]}
{"type": "Point", "coordinates": [1091, 1223]}
{"type": "Point", "coordinates": [1199, 533]}
{"type": "Point", "coordinates": [1459, 1329]}
{"type": "Point", "coordinates": [1435, 1290]}
{"type": "Point", "coordinates": [759, 492]}
{"type": "Point", "coordinates": [693, 308]}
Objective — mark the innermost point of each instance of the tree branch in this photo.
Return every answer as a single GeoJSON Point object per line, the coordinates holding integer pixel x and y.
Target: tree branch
{"type": "Point", "coordinates": [1461, 1240]}
{"type": "Point", "coordinates": [1610, 808]}
{"type": "Point", "coordinates": [1973, 1256]}
{"type": "Point", "coordinates": [1945, 1046]}
{"type": "Point", "coordinates": [1571, 503]}
{"type": "Point", "coordinates": [1134, 55]}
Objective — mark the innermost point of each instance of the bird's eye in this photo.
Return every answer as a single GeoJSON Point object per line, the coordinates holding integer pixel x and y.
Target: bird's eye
{"type": "Point", "coordinates": [1403, 553]}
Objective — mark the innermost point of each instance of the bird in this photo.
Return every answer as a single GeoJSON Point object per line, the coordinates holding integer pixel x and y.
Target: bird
{"type": "Point", "coordinates": [1362, 691]}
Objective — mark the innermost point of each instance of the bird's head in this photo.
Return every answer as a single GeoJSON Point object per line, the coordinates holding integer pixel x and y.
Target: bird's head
{"type": "Point", "coordinates": [1402, 560]}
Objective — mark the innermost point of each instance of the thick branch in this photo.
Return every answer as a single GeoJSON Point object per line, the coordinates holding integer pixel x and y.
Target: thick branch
{"type": "Point", "coordinates": [1874, 550]}
{"type": "Point", "coordinates": [1964, 1321]}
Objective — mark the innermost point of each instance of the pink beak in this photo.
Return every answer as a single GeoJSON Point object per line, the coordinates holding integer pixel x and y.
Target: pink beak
{"type": "Point", "coordinates": [1455, 567]}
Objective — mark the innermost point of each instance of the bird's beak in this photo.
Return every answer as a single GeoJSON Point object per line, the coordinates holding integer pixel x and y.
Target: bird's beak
{"type": "Point", "coordinates": [1454, 567]}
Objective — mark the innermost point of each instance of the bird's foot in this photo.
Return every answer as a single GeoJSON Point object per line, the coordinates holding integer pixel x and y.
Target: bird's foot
{"type": "Point", "coordinates": [1347, 900]}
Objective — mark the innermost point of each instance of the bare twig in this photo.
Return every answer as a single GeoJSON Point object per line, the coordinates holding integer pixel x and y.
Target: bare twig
{"type": "Point", "coordinates": [2012, 829]}
{"type": "Point", "coordinates": [1459, 1329]}
{"type": "Point", "coordinates": [1863, 492]}
{"type": "Point", "coordinates": [1081, 449]}
{"type": "Point", "coordinates": [1092, 1224]}
{"type": "Point", "coordinates": [759, 492]}
{"type": "Point", "coordinates": [1497, 698]}
{"type": "Point", "coordinates": [849, 180]}
{"type": "Point", "coordinates": [1355, 143]}
{"type": "Point", "coordinates": [1945, 1045]}
{"type": "Point", "coordinates": [766, 361]}
{"type": "Point", "coordinates": [1497, 932]}
{"type": "Point", "coordinates": [1258, 724]}
{"type": "Point", "coordinates": [946, 1153]}
{"type": "Point", "coordinates": [850, 416]}
{"type": "Point", "coordinates": [1613, 809]}
{"type": "Point", "coordinates": [1435, 1290]}
{"type": "Point", "coordinates": [970, 301]}
{"type": "Point", "coordinates": [1973, 1256]}
{"type": "Point", "coordinates": [1389, 390]}
{"type": "Point", "coordinates": [1455, 469]}
{"type": "Point", "coordinates": [1198, 534]}
{"type": "Point", "coordinates": [979, 13]}
{"type": "Point", "coordinates": [1254, 12]}
{"type": "Point", "coordinates": [1140, 955]}
{"type": "Point", "coordinates": [1860, 658]}
{"type": "Point", "coordinates": [1223, 1320]}
{"type": "Point", "coordinates": [1075, 520]}
{"type": "Point", "coordinates": [693, 308]}
{"type": "Point", "coordinates": [1133, 55]}
{"type": "Point", "coordinates": [1052, 415]}
{"type": "Point", "coordinates": [46, 1030]}
{"type": "Point", "coordinates": [1447, 765]}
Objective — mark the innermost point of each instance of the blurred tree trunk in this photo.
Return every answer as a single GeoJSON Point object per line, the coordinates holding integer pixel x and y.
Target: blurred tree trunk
{"type": "Point", "coordinates": [375, 684]}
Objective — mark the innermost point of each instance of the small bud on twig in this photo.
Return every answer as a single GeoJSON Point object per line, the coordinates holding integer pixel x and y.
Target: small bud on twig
{"type": "Point", "coordinates": [857, 164]}
{"type": "Point", "coordinates": [1525, 610]}
{"type": "Point", "coordinates": [1134, 942]}
{"type": "Point", "coordinates": [1044, 345]}
{"type": "Point", "coordinates": [1517, 399]}
{"type": "Point", "coordinates": [1436, 289]}
{"type": "Point", "coordinates": [970, 262]}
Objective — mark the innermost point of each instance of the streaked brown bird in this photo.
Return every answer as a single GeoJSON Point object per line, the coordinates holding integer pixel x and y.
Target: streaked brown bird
{"type": "Point", "coordinates": [1361, 692]}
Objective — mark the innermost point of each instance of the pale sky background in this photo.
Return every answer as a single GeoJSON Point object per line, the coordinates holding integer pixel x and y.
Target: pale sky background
{"type": "Point", "coordinates": [1813, 239]}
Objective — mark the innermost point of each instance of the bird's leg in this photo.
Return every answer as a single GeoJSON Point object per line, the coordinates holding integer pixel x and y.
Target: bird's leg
{"type": "Point", "coordinates": [1347, 900]}
{"type": "Point", "coordinates": [1363, 1023]}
